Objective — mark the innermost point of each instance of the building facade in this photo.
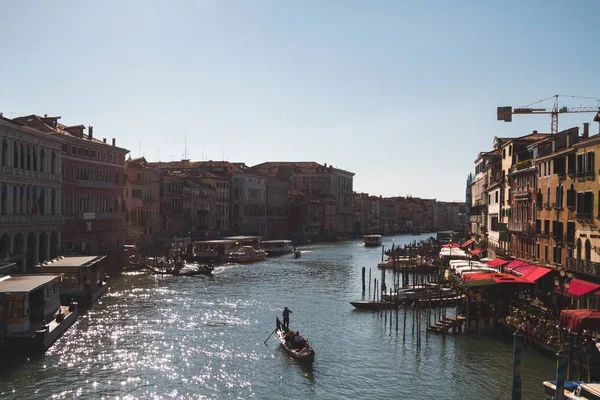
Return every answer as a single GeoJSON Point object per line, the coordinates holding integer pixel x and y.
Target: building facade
{"type": "Point", "coordinates": [30, 194]}
{"type": "Point", "coordinates": [142, 202]}
{"type": "Point", "coordinates": [198, 209]}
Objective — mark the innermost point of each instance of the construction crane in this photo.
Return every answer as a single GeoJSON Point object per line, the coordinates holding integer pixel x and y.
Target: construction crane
{"type": "Point", "coordinates": [505, 113]}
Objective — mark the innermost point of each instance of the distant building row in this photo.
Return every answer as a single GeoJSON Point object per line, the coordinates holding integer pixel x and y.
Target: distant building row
{"type": "Point", "coordinates": [62, 190]}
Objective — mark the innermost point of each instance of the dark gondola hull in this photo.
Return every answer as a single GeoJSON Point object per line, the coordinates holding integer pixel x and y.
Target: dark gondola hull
{"type": "Point", "coordinates": [306, 354]}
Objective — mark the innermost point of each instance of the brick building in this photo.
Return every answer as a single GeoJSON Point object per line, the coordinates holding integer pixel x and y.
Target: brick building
{"type": "Point", "coordinates": [93, 178]}
{"type": "Point", "coordinates": [142, 202]}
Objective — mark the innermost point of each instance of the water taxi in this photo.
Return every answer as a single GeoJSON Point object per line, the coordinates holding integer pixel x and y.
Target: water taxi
{"type": "Point", "coordinates": [85, 278]}
{"type": "Point", "coordinates": [247, 254]}
{"type": "Point", "coordinates": [277, 247]}
{"type": "Point", "coordinates": [372, 240]}
{"type": "Point", "coordinates": [33, 318]}
{"type": "Point", "coordinates": [213, 250]}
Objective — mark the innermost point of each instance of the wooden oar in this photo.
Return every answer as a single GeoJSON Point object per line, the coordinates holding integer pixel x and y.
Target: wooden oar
{"type": "Point", "coordinates": [270, 335]}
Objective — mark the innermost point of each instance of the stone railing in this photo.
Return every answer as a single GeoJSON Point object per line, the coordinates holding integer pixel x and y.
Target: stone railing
{"type": "Point", "coordinates": [31, 220]}
{"type": "Point", "coordinates": [585, 267]}
{"type": "Point", "coordinates": [95, 184]}
{"type": "Point", "coordinates": [42, 176]}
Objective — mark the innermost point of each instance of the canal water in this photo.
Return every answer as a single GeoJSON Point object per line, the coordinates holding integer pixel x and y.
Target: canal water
{"type": "Point", "coordinates": [202, 337]}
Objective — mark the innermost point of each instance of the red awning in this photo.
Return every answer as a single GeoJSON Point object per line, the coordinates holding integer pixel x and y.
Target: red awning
{"type": "Point", "coordinates": [579, 287]}
{"type": "Point", "coordinates": [468, 242]}
{"type": "Point", "coordinates": [476, 251]}
{"type": "Point", "coordinates": [480, 279]}
{"type": "Point", "coordinates": [497, 262]}
{"type": "Point", "coordinates": [579, 320]}
{"type": "Point", "coordinates": [449, 245]}
{"type": "Point", "coordinates": [535, 273]}
{"type": "Point", "coordinates": [514, 264]}
{"type": "Point", "coordinates": [523, 269]}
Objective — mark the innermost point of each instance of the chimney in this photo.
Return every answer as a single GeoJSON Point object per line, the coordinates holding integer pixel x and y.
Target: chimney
{"type": "Point", "coordinates": [104, 140]}
{"type": "Point", "coordinates": [586, 130]}
{"type": "Point", "coordinates": [114, 141]}
{"type": "Point", "coordinates": [45, 115]}
{"type": "Point", "coordinates": [534, 132]}
{"type": "Point", "coordinates": [90, 132]}
{"type": "Point", "coordinates": [325, 165]}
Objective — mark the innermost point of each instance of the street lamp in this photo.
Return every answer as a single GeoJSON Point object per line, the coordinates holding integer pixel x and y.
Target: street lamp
{"type": "Point", "coordinates": [562, 282]}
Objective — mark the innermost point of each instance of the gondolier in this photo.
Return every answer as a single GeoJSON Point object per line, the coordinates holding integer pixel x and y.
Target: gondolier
{"type": "Point", "coordinates": [286, 317]}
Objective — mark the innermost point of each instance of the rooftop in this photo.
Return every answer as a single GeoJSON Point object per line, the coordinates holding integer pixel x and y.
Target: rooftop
{"type": "Point", "coordinates": [26, 283]}
{"type": "Point", "coordinates": [73, 262]}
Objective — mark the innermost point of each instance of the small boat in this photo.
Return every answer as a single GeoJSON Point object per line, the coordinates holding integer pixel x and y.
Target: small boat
{"type": "Point", "coordinates": [297, 253]}
{"type": "Point", "coordinates": [303, 353]}
{"type": "Point", "coordinates": [371, 240]}
{"type": "Point", "coordinates": [247, 254]}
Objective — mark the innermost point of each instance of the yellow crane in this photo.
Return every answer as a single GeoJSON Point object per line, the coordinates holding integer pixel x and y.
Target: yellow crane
{"type": "Point", "coordinates": [505, 113]}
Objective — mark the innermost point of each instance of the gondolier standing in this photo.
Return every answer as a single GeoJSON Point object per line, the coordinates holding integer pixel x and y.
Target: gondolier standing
{"type": "Point", "coordinates": [286, 317]}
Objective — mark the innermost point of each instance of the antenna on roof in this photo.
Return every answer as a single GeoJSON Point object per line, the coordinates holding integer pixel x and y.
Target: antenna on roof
{"type": "Point", "coordinates": [185, 153]}
{"type": "Point", "coordinates": [139, 149]}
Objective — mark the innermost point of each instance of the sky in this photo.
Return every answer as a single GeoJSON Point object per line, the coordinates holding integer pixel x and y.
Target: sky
{"type": "Point", "coordinates": [402, 93]}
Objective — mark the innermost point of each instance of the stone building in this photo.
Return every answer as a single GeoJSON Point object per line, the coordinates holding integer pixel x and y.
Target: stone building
{"type": "Point", "coordinates": [198, 209]}
{"type": "Point", "coordinates": [142, 202]}
{"type": "Point", "coordinates": [30, 193]}
{"type": "Point", "coordinates": [171, 205]}
{"type": "Point", "coordinates": [557, 203]}
{"type": "Point", "coordinates": [583, 232]}
{"type": "Point", "coordinates": [311, 176]}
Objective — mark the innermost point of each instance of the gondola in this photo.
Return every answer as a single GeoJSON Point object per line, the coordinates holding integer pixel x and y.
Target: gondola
{"type": "Point", "coordinates": [304, 353]}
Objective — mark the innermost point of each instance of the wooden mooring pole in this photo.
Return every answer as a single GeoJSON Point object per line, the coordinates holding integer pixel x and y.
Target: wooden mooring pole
{"type": "Point", "coordinates": [363, 281]}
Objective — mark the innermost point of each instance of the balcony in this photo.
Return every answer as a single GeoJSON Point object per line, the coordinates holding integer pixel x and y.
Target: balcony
{"type": "Point", "coordinates": [586, 267]}
{"type": "Point", "coordinates": [519, 226]}
{"type": "Point", "coordinates": [522, 194]}
{"type": "Point", "coordinates": [30, 220]}
{"type": "Point", "coordinates": [557, 206]}
{"type": "Point", "coordinates": [42, 176]}
{"type": "Point", "coordinates": [583, 216]}
{"type": "Point", "coordinates": [95, 184]}
{"type": "Point", "coordinates": [99, 215]}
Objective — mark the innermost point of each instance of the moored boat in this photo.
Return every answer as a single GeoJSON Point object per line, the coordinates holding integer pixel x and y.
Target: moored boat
{"type": "Point", "coordinates": [373, 305]}
{"type": "Point", "coordinates": [371, 240]}
{"type": "Point", "coordinates": [297, 253]}
{"type": "Point", "coordinates": [301, 350]}
{"type": "Point", "coordinates": [247, 254]}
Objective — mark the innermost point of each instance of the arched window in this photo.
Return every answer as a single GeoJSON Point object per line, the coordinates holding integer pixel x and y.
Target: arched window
{"type": "Point", "coordinates": [28, 157]}
{"type": "Point", "coordinates": [53, 202]}
{"type": "Point", "coordinates": [4, 200]}
{"type": "Point", "coordinates": [34, 159]}
{"type": "Point", "coordinates": [22, 156]}
{"type": "Point", "coordinates": [588, 250]}
{"type": "Point", "coordinates": [15, 154]}
{"type": "Point", "coordinates": [540, 198]}
{"type": "Point", "coordinates": [4, 153]}
{"type": "Point", "coordinates": [42, 161]}
{"type": "Point", "coordinates": [53, 165]}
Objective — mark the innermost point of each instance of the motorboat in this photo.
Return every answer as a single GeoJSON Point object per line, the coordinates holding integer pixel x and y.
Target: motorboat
{"type": "Point", "coordinates": [247, 254]}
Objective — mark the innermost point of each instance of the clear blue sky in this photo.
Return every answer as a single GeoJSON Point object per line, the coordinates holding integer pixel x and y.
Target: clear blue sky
{"type": "Point", "coordinates": [403, 93]}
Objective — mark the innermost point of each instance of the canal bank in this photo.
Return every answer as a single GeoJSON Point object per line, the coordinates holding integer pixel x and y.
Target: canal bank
{"type": "Point", "coordinates": [190, 336]}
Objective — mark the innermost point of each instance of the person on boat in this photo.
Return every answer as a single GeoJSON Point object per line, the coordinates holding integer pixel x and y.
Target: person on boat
{"type": "Point", "coordinates": [286, 317]}
{"type": "Point", "coordinates": [298, 341]}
